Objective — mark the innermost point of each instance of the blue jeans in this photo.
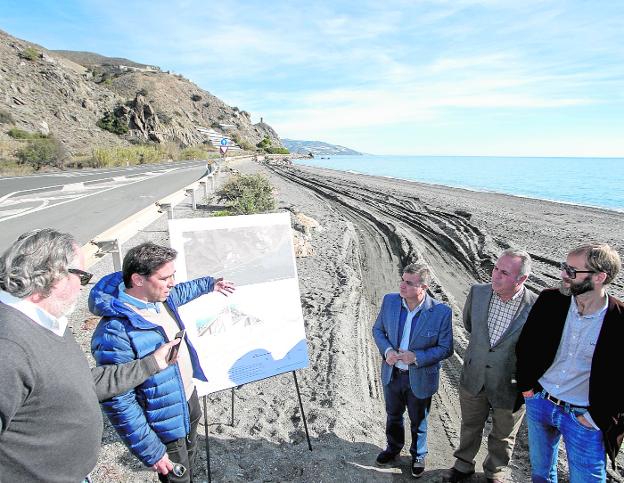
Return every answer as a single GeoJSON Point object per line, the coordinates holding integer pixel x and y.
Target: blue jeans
{"type": "Point", "coordinates": [547, 423]}
{"type": "Point", "coordinates": [398, 396]}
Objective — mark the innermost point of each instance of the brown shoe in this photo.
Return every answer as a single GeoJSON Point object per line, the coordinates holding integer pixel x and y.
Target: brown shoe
{"type": "Point", "coordinates": [454, 475]}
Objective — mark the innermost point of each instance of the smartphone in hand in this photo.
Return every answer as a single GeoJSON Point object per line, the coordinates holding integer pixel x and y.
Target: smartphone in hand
{"type": "Point", "coordinates": [173, 352]}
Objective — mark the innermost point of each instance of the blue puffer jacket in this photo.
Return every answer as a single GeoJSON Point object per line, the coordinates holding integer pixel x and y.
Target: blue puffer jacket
{"type": "Point", "coordinates": [156, 412]}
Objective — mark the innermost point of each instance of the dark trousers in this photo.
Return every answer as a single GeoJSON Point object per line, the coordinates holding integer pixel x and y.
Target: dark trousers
{"type": "Point", "coordinates": [183, 450]}
{"type": "Point", "coordinates": [398, 396]}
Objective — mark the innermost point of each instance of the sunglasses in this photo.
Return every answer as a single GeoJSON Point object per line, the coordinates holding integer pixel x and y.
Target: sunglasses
{"type": "Point", "coordinates": [571, 272]}
{"type": "Point", "coordinates": [82, 275]}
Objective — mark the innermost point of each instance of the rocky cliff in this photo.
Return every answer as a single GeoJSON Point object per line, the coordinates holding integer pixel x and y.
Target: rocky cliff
{"type": "Point", "coordinates": [51, 92]}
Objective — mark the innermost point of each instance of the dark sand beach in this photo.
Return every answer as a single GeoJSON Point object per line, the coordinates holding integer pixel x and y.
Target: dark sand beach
{"type": "Point", "coordinates": [369, 228]}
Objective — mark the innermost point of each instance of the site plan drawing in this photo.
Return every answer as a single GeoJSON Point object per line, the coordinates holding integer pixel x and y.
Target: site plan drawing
{"type": "Point", "coordinates": [258, 331]}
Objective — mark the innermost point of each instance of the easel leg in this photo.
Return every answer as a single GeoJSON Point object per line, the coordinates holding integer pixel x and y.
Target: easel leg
{"type": "Point", "coordinates": [232, 420]}
{"type": "Point", "coordinates": [206, 439]}
{"type": "Point", "coordinates": [305, 424]}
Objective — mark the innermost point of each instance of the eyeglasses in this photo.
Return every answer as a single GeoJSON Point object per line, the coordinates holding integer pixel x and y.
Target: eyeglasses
{"type": "Point", "coordinates": [82, 275]}
{"type": "Point", "coordinates": [571, 272]}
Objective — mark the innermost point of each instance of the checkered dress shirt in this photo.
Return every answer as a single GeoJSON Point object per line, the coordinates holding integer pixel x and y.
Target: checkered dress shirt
{"type": "Point", "coordinates": [500, 315]}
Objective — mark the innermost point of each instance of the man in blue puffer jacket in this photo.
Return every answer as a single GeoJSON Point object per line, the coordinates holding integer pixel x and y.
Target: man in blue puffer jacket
{"type": "Point", "coordinates": [158, 419]}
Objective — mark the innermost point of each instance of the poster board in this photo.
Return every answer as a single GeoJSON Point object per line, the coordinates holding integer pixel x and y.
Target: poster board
{"type": "Point", "coordinates": [258, 331]}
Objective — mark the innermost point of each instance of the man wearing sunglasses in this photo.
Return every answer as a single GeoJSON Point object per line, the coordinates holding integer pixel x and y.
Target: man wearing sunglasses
{"type": "Point", "coordinates": [413, 333]}
{"type": "Point", "coordinates": [494, 314]}
{"type": "Point", "coordinates": [139, 309]}
{"type": "Point", "coordinates": [50, 420]}
{"type": "Point", "coordinates": [568, 366]}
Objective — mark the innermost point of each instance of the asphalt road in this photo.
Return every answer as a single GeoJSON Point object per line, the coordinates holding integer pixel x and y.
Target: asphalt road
{"type": "Point", "coordinates": [87, 202]}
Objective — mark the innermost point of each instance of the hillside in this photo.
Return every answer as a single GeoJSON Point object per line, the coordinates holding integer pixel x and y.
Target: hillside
{"type": "Point", "coordinates": [317, 148]}
{"type": "Point", "coordinates": [66, 94]}
{"type": "Point", "coordinates": [87, 59]}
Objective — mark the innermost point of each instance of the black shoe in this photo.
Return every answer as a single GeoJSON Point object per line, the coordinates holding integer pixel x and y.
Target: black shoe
{"type": "Point", "coordinates": [453, 476]}
{"type": "Point", "coordinates": [385, 458]}
{"type": "Point", "coordinates": [418, 467]}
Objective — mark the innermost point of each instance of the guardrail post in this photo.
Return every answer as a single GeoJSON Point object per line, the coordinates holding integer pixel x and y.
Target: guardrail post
{"type": "Point", "coordinates": [204, 184]}
{"type": "Point", "coordinates": [168, 207]}
{"type": "Point", "coordinates": [191, 192]}
{"type": "Point", "coordinates": [211, 176]}
{"type": "Point", "coordinates": [114, 248]}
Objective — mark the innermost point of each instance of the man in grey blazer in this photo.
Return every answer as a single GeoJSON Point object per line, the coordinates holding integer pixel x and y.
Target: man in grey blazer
{"type": "Point", "coordinates": [413, 333]}
{"type": "Point", "coordinates": [493, 316]}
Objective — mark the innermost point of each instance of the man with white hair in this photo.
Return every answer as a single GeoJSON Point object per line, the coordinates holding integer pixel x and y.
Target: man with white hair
{"type": "Point", "coordinates": [50, 420]}
{"type": "Point", "coordinates": [494, 315]}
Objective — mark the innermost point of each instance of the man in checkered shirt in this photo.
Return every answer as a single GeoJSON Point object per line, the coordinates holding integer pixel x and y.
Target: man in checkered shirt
{"type": "Point", "coordinates": [494, 314]}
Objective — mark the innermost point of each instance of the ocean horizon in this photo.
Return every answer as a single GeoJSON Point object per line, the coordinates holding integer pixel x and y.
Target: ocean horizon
{"type": "Point", "coordinates": [595, 182]}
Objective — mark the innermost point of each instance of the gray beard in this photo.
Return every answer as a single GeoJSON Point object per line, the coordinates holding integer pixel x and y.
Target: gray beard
{"type": "Point", "coordinates": [577, 289]}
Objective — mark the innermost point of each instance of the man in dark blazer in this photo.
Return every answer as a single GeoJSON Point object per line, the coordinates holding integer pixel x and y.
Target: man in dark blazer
{"type": "Point", "coordinates": [569, 357]}
{"type": "Point", "coordinates": [414, 334]}
{"type": "Point", "coordinates": [494, 314]}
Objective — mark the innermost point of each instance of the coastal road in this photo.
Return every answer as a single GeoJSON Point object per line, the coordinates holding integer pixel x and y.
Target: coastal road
{"type": "Point", "coordinates": [87, 202]}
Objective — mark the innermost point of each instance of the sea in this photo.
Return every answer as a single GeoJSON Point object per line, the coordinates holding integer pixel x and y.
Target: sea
{"type": "Point", "coordinates": [597, 182]}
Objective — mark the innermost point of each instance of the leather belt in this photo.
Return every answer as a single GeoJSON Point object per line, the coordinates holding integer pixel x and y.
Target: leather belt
{"type": "Point", "coordinates": [559, 402]}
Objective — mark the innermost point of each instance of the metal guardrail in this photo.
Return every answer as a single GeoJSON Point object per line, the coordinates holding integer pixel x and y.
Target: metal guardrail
{"type": "Point", "coordinates": [111, 240]}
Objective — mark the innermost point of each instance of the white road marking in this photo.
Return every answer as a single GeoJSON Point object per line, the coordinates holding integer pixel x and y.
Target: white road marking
{"type": "Point", "coordinates": [90, 192]}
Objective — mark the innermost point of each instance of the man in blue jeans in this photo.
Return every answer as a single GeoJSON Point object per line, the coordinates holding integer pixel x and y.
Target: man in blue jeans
{"type": "Point", "coordinates": [413, 333]}
{"type": "Point", "coordinates": [567, 368]}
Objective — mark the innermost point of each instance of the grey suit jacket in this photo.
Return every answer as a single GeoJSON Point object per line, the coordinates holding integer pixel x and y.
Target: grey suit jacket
{"type": "Point", "coordinates": [492, 368]}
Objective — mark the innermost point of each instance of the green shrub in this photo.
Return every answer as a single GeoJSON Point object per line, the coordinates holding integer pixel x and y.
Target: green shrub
{"type": "Point", "coordinates": [30, 53]}
{"type": "Point", "coordinates": [127, 155]}
{"type": "Point", "coordinates": [41, 152]}
{"type": "Point", "coordinates": [142, 92]}
{"type": "Point", "coordinates": [6, 117]}
{"type": "Point", "coordinates": [265, 143]}
{"type": "Point", "coordinates": [12, 168]}
{"type": "Point", "coordinates": [17, 133]}
{"type": "Point", "coordinates": [267, 146]}
{"type": "Point", "coordinates": [193, 152]}
{"type": "Point", "coordinates": [277, 150]}
{"type": "Point", "coordinates": [221, 213]}
{"type": "Point", "coordinates": [196, 98]}
{"type": "Point", "coordinates": [110, 122]}
{"type": "Point", "coordinates": [248, 194]}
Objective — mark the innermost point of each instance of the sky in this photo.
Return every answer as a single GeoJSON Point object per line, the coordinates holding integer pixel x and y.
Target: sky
{"type": "Point", "coordinates": [437, 77]}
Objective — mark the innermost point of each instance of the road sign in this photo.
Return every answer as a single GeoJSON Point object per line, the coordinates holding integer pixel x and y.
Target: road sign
{"type": "Point", "coordinates": [224, 142]}
{"type": "Point", "coordinates": [223, 149]}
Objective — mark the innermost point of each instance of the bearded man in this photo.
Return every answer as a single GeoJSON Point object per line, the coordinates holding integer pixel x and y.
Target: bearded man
{"type": "Point", "coordinates": [567, 366]}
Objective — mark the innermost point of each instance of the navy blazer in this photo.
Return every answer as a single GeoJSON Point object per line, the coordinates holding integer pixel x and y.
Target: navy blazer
{"type": "Point", "coordinates": [431, 341]}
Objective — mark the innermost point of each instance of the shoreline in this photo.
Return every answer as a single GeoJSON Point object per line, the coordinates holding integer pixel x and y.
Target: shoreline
{"type": "Point", "coordinates": [468, 188]}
